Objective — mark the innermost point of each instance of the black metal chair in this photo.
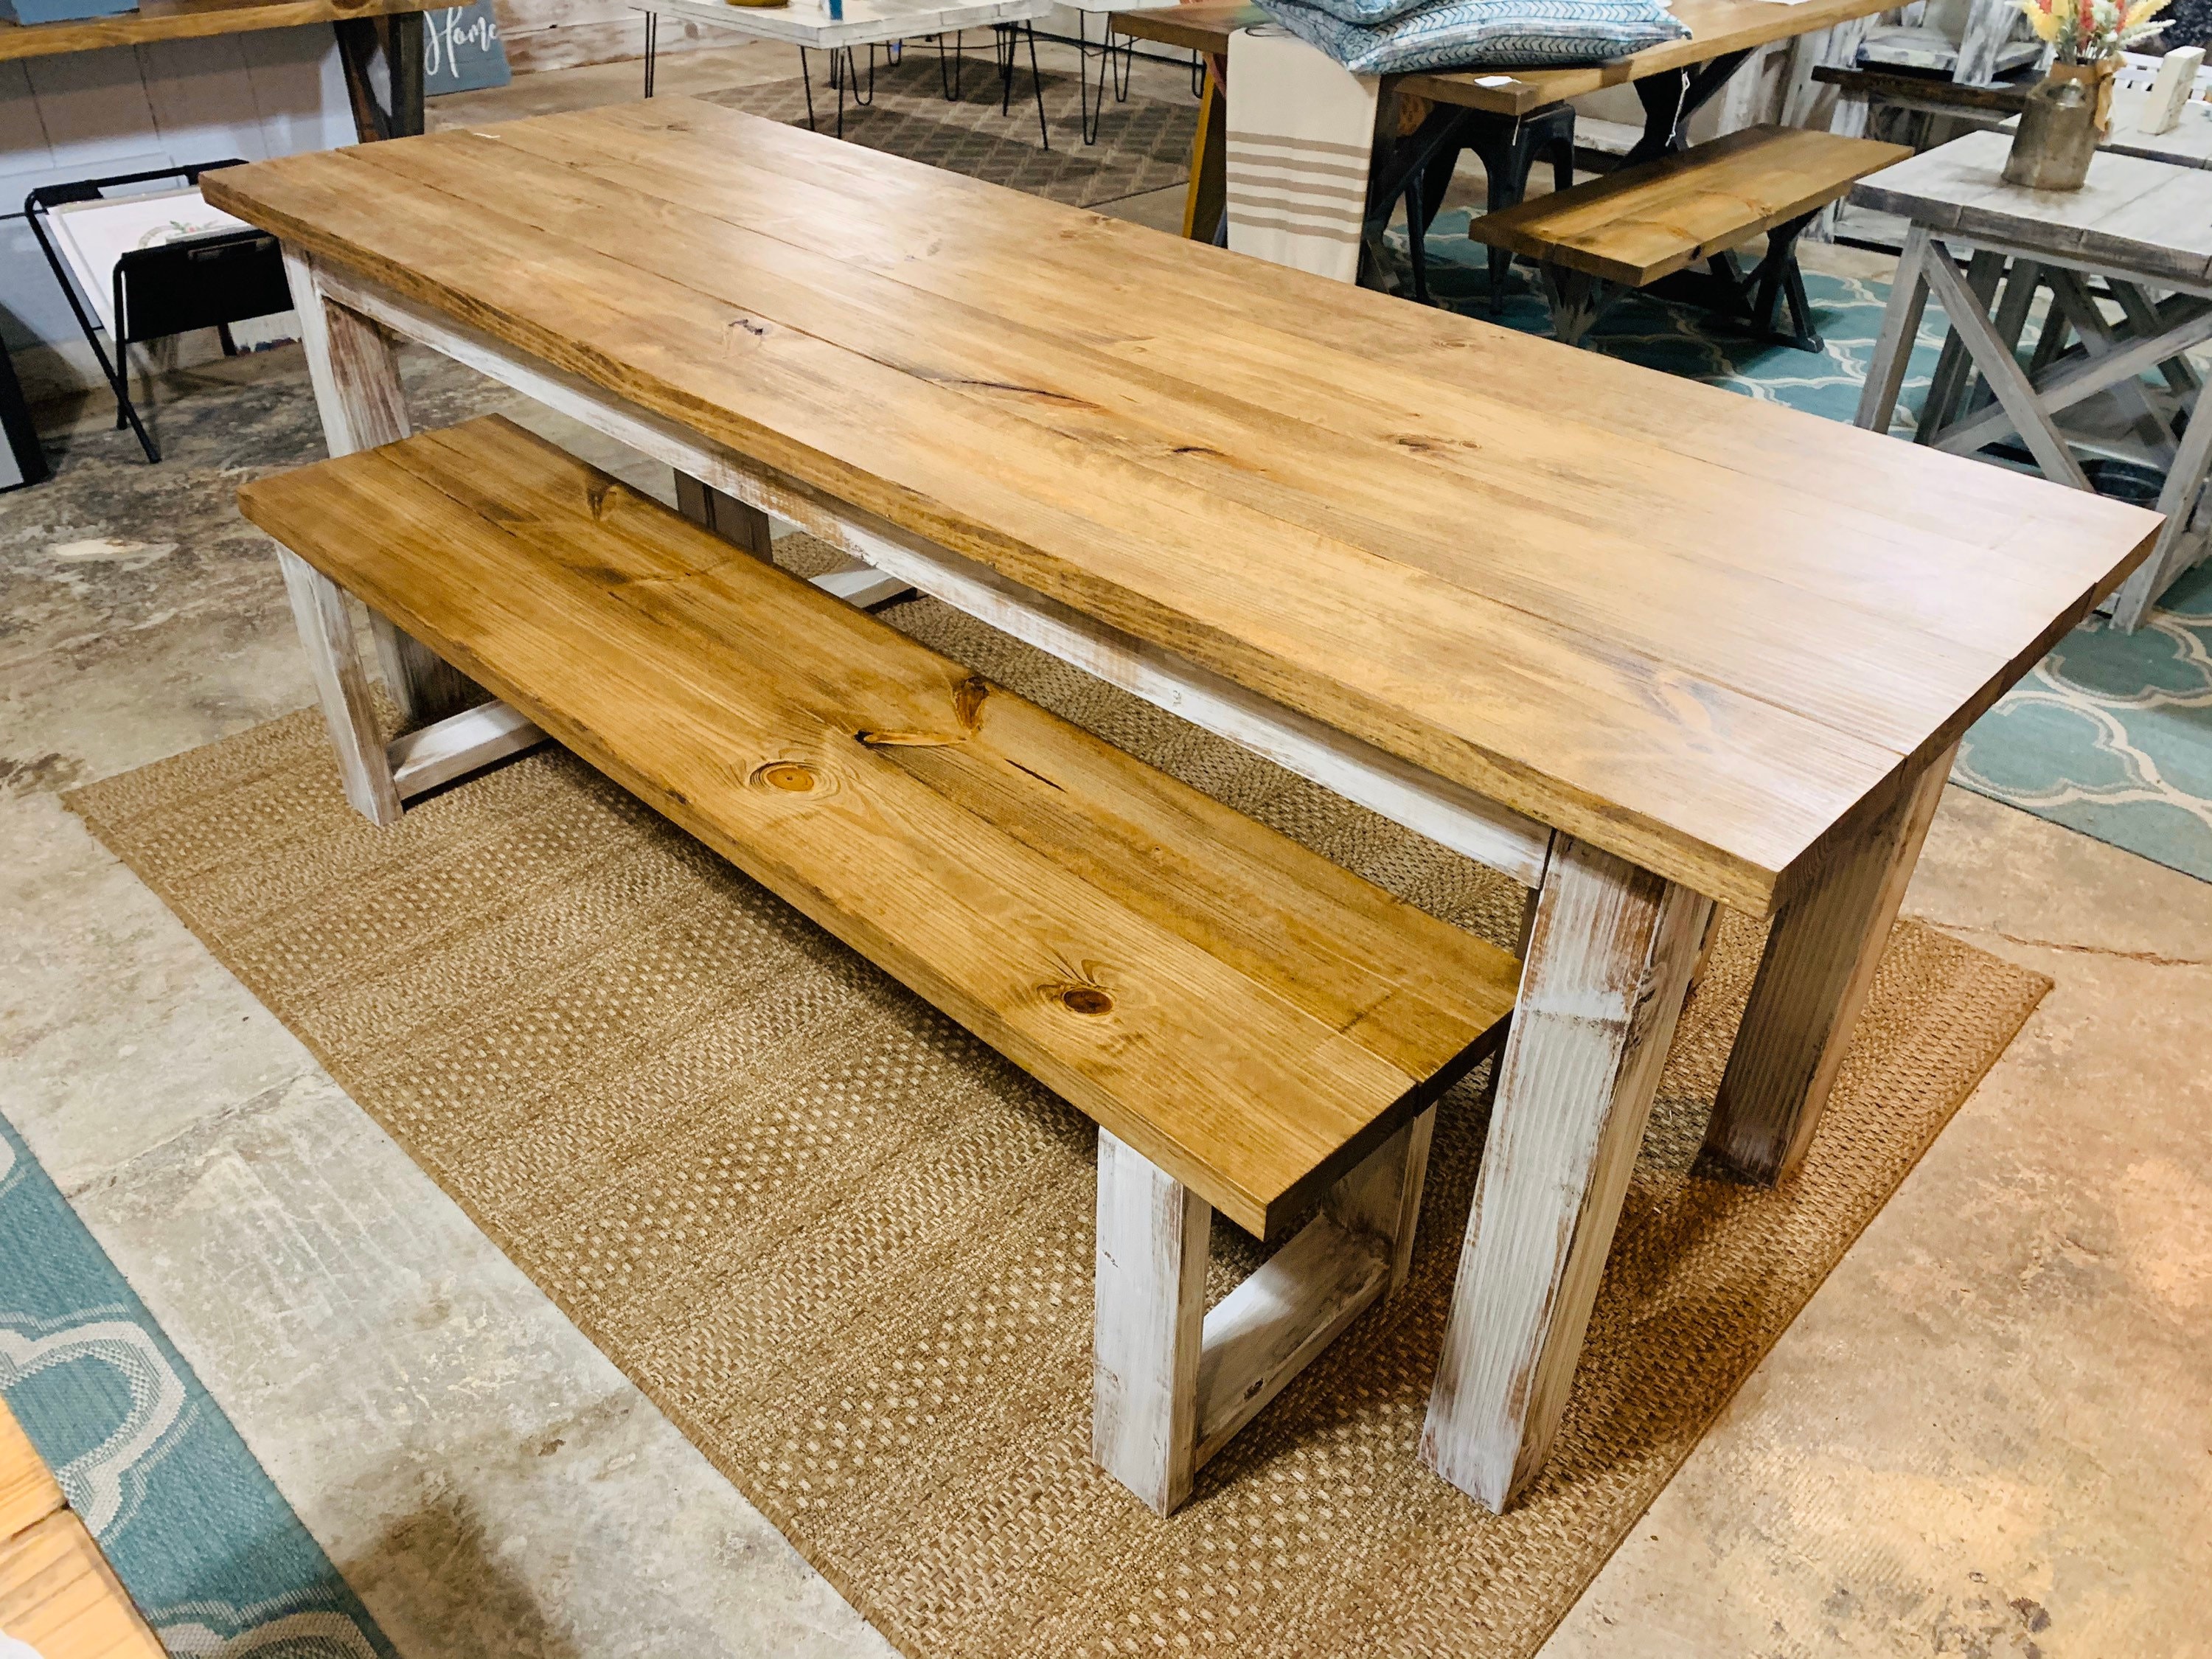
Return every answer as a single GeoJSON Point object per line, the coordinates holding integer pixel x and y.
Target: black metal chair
{"type": "Point", "coordinates": [204, 282]}
{"type": "Point", "coordinates": [1509, 150]}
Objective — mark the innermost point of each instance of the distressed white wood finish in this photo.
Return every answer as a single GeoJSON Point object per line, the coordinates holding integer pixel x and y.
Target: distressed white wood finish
{"type": "Point", "coordinates": [459, 745]}
{"type": "Point", "coordinates": [1821, 954]}
{"type": "Point", "coordinates": [1148, 1322]}
{"type": "Point", "coordinates": [808, 22]}
{"type": "Point", "coordinates": [1229, 1363]}
{"type": "Point", "coordinates": [1989, 25]}
{"type": "Point", "coordinates": [1382, 1196]}
{"type": "Point", "coordinates": [358, 395]}
{"type": "Point", "coordinates": [326, 625]}
{"type": "Point", "coordinates": [1602, 985]}
{"type": "Point", "coordinates": [1446, 812]}
{"type": "Point", "coordinates": [1266, 1331]}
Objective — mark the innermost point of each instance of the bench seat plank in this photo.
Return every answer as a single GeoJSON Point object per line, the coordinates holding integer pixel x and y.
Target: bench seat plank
{"type": "Point", "coordinates": [1639, 224]}
{"type": "Point", "coordinates": [1250, 1017]}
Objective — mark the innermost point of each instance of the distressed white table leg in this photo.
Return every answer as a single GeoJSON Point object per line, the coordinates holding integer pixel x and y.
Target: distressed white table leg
{"type": "Point", "coordinates": [1601, 990]}
{"type": "Point", "coordinates": [326, 624]}
{"type": "Point", "coordinates": [1821, 954]}
{"type": "Point", "coordinates": [358, 395]}
{"type": "Point", "coordinates": [1148, 1324]}
{"type": "Point", "coordinates": [1901, 332]}
{"type": "Point", "coordinates": [2185, 484]}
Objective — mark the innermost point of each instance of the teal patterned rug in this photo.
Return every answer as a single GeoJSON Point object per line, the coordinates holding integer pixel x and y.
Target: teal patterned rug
{"type": "Point", "coordinates": [2111, 735]}
{"type": "Point", "coordinates": [208, 1548]}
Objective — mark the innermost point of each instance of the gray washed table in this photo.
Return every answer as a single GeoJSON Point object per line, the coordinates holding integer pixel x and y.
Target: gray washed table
{"type": "Point", "coordinates": [2143, 229]}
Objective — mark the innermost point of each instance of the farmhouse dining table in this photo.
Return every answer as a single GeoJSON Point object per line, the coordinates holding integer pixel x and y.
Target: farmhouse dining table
{"type": "Point", "coordinates": [1419, 115]}
{"type": "Point", "coordinates": [1639, 643]}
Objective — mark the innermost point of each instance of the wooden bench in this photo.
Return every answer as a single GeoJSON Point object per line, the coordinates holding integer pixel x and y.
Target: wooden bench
{"type": "Point", "coordinates": [1254, 1030]}
{"type": "Point", "coordinates": [1641, 225]}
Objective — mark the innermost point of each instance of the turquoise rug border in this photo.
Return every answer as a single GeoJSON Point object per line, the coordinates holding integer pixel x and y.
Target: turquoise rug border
{"type": "Point", "coordinates": [207, 1546]}
{"type": "Point", "coordinates": [2112, 734]}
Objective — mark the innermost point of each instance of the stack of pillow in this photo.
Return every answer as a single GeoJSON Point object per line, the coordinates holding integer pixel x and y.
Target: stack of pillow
{"type": "Point", "coordinates": [1389, 36]}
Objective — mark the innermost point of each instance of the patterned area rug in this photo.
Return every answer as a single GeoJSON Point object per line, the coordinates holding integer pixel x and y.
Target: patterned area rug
{"type": "Point", "coordinates": [207, 1548]}
{"type": "Point", "coordinates": [1144, 143]}
{"type": "Point", "coordinates": [2111, 735]}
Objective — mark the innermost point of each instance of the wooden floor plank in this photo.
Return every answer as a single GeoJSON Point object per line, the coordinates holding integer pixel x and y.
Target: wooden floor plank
{"type": "Point", "coordinates": [27, 1492]}
{"type": "Point", "coordinates": [59, 1595]}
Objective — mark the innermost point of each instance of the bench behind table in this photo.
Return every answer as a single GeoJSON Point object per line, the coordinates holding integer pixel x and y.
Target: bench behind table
{"type": "Point", "coordinates": [1255, 1029]}
{"type": "Point", "coordinates": [1641, 224]}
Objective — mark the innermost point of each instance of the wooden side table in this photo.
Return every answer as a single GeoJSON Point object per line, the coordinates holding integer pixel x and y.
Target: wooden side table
{"type": "Point", "coordinates": [2141, 228]}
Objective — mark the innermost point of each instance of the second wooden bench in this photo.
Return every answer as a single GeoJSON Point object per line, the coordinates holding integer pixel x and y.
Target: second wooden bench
{"type": "Point", "coordinates": [1255, 1031]}
{"type": "Point", "coordinates": [1643, 224]}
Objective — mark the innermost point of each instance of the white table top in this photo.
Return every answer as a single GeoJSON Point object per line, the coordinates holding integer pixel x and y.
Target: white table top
{"type": "Point", "coordinates": [2148, 219]}
{"type": "Point", "coordinates": [808, 22]}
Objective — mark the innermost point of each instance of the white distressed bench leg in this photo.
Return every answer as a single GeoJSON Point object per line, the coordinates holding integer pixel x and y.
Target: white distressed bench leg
{"type": "Point", "coordinates": [1171, 1382]}
{"type": "Point", "coordinates": [1603, 982]}
{"type": "Point", "coordinates": [379, 776]}
{"type": "Point", "coordinates": [357, 393]}
{"type": "Point", "coordinates": [326, 624]}
{"type": "Point", "coordinates": [1821, 958]}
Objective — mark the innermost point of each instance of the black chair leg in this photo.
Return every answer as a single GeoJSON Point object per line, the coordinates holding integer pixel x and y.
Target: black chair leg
{"type": "Point", "coordinates": [1036, 85]}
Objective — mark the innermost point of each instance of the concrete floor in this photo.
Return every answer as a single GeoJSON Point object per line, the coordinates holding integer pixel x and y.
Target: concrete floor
{"type": "Point", "coordinates": [1991, 1434]}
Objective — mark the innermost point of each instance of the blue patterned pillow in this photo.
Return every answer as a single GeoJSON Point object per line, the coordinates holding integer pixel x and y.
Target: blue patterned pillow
{"type": "Point", "coordinates": [1401, 35]}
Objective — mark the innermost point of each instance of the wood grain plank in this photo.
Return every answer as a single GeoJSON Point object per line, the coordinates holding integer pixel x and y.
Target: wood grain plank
{"type": "Point", "coordinates": [60, 1597]}
{"type": "Point", "coordinates": [1616, 579]}
{"type": "Point", "coordinates": [1638, 224]}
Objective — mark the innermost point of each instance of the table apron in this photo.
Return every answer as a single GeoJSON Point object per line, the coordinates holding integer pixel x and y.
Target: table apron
{"type": "Point", "coordinates": [1405, 794]}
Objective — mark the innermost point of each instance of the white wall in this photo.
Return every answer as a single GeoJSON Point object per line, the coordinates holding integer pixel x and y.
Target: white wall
{"type": "Point", "coordinates": [127, 109]}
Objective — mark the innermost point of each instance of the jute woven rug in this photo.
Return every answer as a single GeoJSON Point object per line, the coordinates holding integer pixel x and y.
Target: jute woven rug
{"type": "Point", "coordinates": [848, 1249]}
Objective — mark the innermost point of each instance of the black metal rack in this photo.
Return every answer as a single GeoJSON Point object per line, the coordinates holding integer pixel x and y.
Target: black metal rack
{"type": "Point", "coordinates": [204, 282]}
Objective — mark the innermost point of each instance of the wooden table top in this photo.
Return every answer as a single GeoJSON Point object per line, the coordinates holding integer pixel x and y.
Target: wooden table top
{"type": "Point", "coordinates": [1717, 28]}
{"type": "Point", "coordinates": [1698, 631]}
{"type": "Point", "coordinates": [2149, 219]}
{"type": "Point", "coordinates": [183, 20]}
